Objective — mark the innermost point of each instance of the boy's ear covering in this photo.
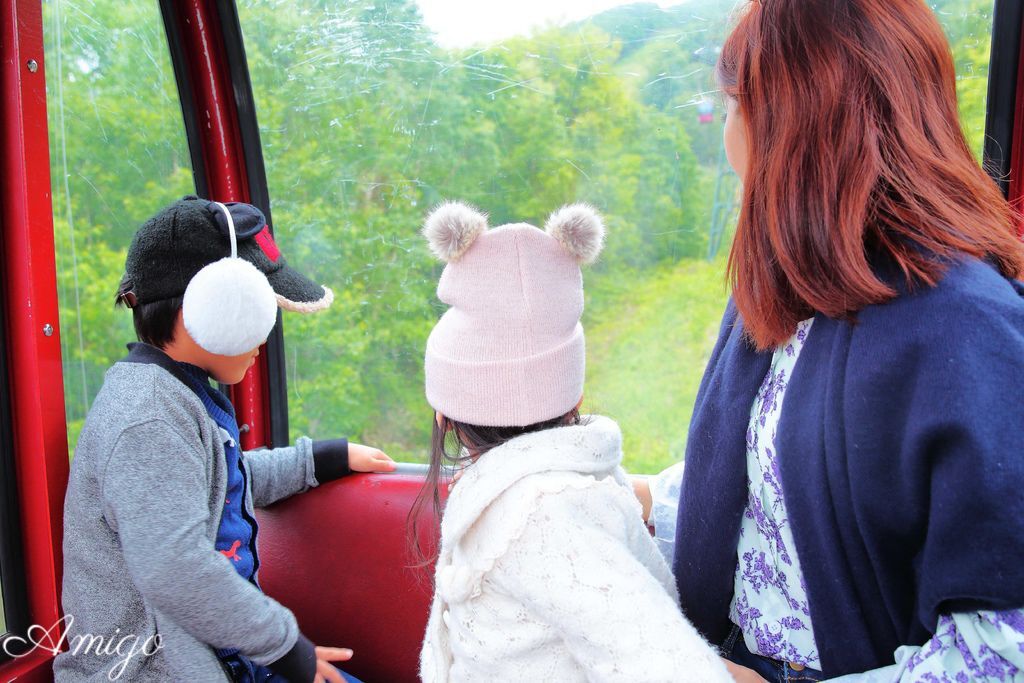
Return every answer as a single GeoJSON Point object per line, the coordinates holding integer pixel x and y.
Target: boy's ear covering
{"type": "Point", "coordinates": [579, 229]}
{"type": "Point", "coordinates": [451, 229]}
{"type": "Point", "coordinates": [229, 307]}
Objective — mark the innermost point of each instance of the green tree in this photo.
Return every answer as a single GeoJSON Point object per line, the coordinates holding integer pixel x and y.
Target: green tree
{"type": "Point", "coordinates": [366, 123]}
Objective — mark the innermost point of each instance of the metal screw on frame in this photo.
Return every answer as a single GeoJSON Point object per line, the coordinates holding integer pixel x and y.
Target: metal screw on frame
{"type": "Point", "coordinates": [32, 65]}
{"type": "Point", "coordinates": [243, 428]}
{"type": "Point", "coordinates": [48, 330]}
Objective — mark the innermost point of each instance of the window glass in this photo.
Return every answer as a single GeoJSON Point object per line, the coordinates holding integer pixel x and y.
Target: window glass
{"type": "Point", "coordinates": [968, 25]}
{"type": "Point", "coordinates": [117, 153]}
{"type": "Point", "coordinates": [371, 112]}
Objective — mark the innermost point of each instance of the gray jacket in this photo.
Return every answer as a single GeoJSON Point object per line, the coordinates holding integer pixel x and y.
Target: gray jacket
{"type": "Point", "coordinates": [140, 519]}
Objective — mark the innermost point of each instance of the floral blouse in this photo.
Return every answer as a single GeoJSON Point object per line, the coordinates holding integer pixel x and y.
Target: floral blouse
{"type": "Point", "coordinates": [770, 602]}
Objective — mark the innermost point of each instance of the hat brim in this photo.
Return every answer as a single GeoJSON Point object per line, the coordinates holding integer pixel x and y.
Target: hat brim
{"type": "Point", "coordinates": [295, 292]}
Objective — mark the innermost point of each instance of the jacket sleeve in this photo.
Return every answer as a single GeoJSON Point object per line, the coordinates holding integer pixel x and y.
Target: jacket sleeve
{"type": "Point", "coordinates": [435, 652]}
{"type": "Point", "coordinates": [156, 499]}
{"type": "Point", "coordinates": [968, 646]}
{"type": "Point", "coordinates": [281, 472]}
{"type": "Point", "coordinates": [934, 421]}
{"type": "Point", "coordinates": [571, 568]}
{"type": "Point", "coordinates": [665, 489]}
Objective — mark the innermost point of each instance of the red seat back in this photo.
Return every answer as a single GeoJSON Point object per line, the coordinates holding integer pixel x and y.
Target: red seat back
{"type": "Point", "coordinates": [338, 557]}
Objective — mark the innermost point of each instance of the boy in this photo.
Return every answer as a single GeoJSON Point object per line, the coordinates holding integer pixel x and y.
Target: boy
{"type": "Point", "coordinates": [159, 531]}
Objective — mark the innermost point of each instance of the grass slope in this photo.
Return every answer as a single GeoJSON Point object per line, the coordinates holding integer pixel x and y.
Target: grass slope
{"type": "Point", "coordinates": [648, 341]}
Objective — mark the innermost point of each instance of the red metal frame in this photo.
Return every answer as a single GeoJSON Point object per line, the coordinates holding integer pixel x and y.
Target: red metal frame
{"type": "Point", "coordinates": [36, 382]}
{"type": "Point", "coordinates": [224, 164]}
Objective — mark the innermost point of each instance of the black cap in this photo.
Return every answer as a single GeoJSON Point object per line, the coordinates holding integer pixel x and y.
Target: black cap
{"type": "Point", "coordinates": [175, 244]}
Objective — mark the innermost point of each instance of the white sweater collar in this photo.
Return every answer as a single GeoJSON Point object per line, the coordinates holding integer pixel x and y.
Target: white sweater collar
{"type": "Point", "coordinates": [594, 447]}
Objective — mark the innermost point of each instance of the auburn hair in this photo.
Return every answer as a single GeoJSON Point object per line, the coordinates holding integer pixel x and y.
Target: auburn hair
{"type": "Point", "coordinates": [856, 156]}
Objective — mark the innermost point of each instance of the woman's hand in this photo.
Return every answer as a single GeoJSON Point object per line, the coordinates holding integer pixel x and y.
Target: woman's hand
{"type": "Point", "coordinates": [325, 671]}
{"type": "Point", "coordinates": [742, 673]}
{"type": "Point", "coordinates": [642, 489]}
{"type": "Point", "coordinates": [368, 459]}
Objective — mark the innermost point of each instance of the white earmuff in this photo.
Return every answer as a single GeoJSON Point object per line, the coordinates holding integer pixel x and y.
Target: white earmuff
{"type": "Point", "coordinates": [229, 307]}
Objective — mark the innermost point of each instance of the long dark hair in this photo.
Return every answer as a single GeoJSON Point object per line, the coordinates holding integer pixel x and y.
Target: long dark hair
{"type": "Point", "coordinates": [454, 445]}
{"type": "Point", "coordinates": [855, 149]}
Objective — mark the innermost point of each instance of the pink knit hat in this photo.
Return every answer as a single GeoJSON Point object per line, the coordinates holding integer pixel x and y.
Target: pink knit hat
{"type": "Point", "coordinates": [510, 350]}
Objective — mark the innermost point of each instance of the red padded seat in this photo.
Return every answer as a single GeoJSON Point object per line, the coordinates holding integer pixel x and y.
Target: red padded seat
{"type": "Point", "coordinates": [338, 557]}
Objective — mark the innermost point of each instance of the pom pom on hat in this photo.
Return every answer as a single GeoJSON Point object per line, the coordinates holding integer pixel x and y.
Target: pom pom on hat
{"type": "Point", "coordinates": [579, 229]}
{"type": "Point", "coordinates": [229, 308]}
{"type": "Point", "coordinates": [452, 228]}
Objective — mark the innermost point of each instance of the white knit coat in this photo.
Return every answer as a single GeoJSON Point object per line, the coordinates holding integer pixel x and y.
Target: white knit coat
{"type": "Point", "coordinates": [547, 572]}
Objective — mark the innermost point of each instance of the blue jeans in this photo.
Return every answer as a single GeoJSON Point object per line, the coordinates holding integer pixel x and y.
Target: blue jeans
{"type": "Point", "coordinates": [243, 670]}
{"type": "Point", "coordinates": [772, 670]}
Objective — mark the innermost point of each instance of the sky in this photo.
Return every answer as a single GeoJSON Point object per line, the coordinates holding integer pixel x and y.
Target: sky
{"type": "Point", "coordinates": [461, 23]}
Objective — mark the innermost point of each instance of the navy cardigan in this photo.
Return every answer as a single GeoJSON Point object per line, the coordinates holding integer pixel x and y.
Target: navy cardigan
{"type": "Point", "coordinates": [901, 446]}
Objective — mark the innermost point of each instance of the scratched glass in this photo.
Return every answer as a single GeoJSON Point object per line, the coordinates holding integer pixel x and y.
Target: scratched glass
{"type": "Point", "coordinates": [117, 153]}
{"type": "Point", "coordinates": [371, 113]}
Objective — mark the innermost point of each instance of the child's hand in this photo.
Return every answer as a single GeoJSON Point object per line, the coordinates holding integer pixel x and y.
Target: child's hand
{"type": "Point", "coordinates": [325, 671]}
{"type": "Point", "coordinates": [367, 459]}
{"type": "Point", "coordinates": [642, 489]}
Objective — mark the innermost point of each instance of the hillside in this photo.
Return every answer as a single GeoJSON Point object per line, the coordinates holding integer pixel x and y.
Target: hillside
{"type": "Point", "coordinates": [647, 344]}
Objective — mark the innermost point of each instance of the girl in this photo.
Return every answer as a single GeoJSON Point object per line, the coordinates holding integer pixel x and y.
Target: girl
{"type": "Point", "coordinates": [854, 473]}
{"type": "Point", "coordinates": [545, 571]}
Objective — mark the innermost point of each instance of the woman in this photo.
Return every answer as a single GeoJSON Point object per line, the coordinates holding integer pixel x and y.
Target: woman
{"type": "Point", "coordinates": [854, 478]}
